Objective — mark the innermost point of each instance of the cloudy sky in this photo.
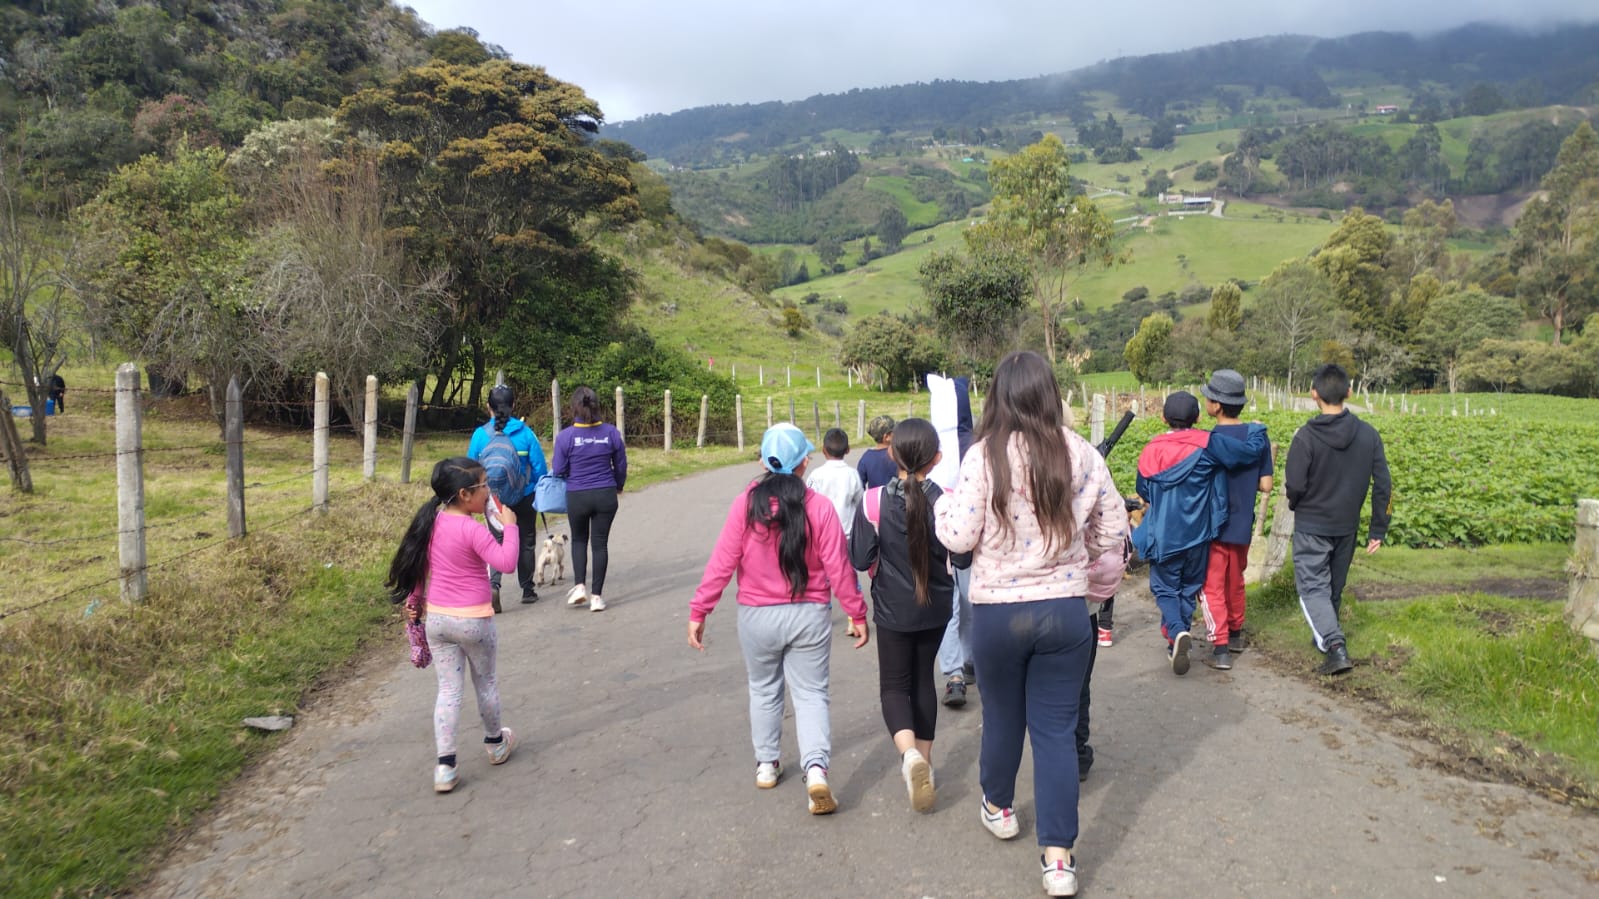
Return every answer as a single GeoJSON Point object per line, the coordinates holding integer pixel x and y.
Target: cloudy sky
{"type": "Point", "coordinates": [642, 56]}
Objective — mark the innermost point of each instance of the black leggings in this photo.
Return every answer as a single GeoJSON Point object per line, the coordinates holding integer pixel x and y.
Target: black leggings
{"type": "Point", "coordinates": [590, 513]}
{"type": "Point", "coordinates": [907, 665]}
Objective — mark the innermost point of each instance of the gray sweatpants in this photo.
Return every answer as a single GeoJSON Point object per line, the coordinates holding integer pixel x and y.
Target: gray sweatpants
{"type": "Point", "coordinates": [789, 644]}
{"type": "Point", "coordinates": [1321, 566]}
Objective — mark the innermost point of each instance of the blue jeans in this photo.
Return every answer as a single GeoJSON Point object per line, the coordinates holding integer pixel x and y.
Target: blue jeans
{"type": "Point", "coordinates": [1034, 657]}
{"type": "Point", "coordinates": [957, 646]}
{"type": "Point", "coordinates": [1176, 582]}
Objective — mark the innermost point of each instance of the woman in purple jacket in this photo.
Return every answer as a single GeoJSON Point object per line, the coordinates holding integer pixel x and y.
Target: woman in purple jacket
{"type": "Point", "coordinates": [591, 457]}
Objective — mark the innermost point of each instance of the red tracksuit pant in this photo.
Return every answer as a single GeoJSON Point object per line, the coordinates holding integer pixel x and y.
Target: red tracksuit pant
{"type": "Point", "coordinates": [1223, 599]}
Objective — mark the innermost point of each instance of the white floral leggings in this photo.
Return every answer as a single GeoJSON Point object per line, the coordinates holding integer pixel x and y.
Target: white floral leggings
{"type": "Point", "coordinates": [457, 642]}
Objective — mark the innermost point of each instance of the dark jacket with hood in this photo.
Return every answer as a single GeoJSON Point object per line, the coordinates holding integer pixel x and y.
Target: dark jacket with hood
{"type": "Point", "coordinates": [894, 605]}
{"type": "Point", "coordinates": [1332, 460]}
{"type": "Point", "coordinates": [1182, 475]}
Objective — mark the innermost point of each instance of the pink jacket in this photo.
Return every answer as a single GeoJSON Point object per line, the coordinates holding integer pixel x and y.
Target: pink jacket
{"type": "Point", "coordinates": [1013, 568]}
{"type": "Point", "coordinates": [751, 553]}
{"type": "Point", "coordinates": [460, 546]}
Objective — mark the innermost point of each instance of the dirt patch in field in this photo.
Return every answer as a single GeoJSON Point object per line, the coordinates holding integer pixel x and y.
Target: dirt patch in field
{"type": "Point", "coordinates": [1547, 588]}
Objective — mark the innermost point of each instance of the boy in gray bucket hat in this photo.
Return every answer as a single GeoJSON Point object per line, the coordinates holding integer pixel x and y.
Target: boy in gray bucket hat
{"type": "Point", "coordinates": [1223, 598]}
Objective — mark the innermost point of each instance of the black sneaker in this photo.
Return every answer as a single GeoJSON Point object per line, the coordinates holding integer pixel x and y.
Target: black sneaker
{"type": "Point", "coordinates": [969, 671]}
{"type": "Point", "coordinates": [1083, 764]}
{"type": "Point", "coordinates": [529, 596]}
{"type": "Point", "coordinates": [1235, 642]}
{"type": "Point", "coordinates": [1220, 659]}
{"type": "Point", "coordinates": [1337, 662]}
{"type": "Point", "coordinates": [955, 693]}
{"type": "Point", "coordinates": [1179, 653]}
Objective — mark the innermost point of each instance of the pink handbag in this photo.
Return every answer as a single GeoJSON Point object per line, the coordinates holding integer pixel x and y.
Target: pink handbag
{"type": "Point", "coordinates": [416, 632]}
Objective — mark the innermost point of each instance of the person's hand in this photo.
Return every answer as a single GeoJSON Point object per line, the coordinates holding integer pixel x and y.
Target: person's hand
{"type": "Point", "coordinates": [696, 635]}
{"type": "Point", "coordinates": [413, 614]}
{"type": "Point", "coordinates": [1371, 546]}
{"type": "Point", "coordinates": [507, 514]}
{"type": "Point", "coordinates": [859, 631]}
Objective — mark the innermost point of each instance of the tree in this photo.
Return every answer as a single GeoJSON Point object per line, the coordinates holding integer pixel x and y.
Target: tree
{"type": "Point", "coordinates": [1156, 184]}
{"type": "Point", "coordinates": [1293, 310]}
{"type": "Point", "coordinates": [1149, 348]}
{"type": "Point", "coordinates": [1421, 244]}
{"type": "Point", "coordinates": [1456, 322]}
{"type": "Point", "coordinates": [828, 249]}
{"type": "Point", "coordinates": [890, 352]}
{"type": "Point", "coordinates": [36, 257]}
{"type": "Point", "coordinates": [1352, 262]}
{"type": "Point", "coordinates": [891, 228]}
{"type": "Point", "coordinates": [975, 301]}
{"type": "Point", "coordinates": [1226, 311]}
{"type": "Point", "coordinates": [1556, 249]}
{"type": "Point", "coordinates": [1036, 214]}
{"type": "Point", "coordinates": [165, 249]}
{"type": "Point", "coordinates": [1162, 133]}
{"type": "Point", "coordinates": [495, 172]}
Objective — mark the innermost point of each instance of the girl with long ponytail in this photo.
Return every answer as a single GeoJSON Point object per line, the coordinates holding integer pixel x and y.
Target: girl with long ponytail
{"type": "Point", "coordinates": [439, 573]}
{"type": "Point", "coordinates": [785, 543]}
{"type": "Point", "coordinates": [913, 588]}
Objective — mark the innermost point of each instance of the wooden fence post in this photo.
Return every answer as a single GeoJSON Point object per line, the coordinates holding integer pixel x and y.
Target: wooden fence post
{"type": "Point", "coordinates": [668, 443]}
{"type": "Point", "coordinates": [761, 373]}
{"type": "Point", "coordinates": [705, 404]}
{"type": "Point", "coordinates": [788, 375]}
{"type": "Point", "coordinates": [738, 419]}
{"type": "Point", "coordinates": [11, 446]}
{"type": "Point", "coordinates": [408, 436]}
{"type": "Point", "coordinates": [838, 414]}
{"type": "Point", "coordinates": [233, 430]}
{"type": "Point", "coordinates": [1582, 597]}
{"type": "Point", "coordinates": [860, 421]}
{"type": "Point", "coordinates": [1096, 420]}
{"type": "Point", "coordinates": [768, 413]}
{"type": "Point", "coordinates": [319, 446]}
{"type": "Point", "coordinates": [369, 449]}
{"type": "Point", "coordinates": [555, 407]}
{"type": "Point", "coordinates": [818, 376]}
{"type": "Point", "coordinates": [130, 485]}
{"type": "Point", "coordinates": [621, 421]}
{"type": "Point", "coordinates": [732, 374]}
{"type": "Point", "coordinates": [816, 410]}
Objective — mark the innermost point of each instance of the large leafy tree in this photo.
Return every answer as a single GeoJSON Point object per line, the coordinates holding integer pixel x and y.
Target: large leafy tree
{"type": "Point", "coordinates": [1556, 249]}
{"type": "Point", "coordinates": [1147, 352]}
{"type": "Point", "coordinates": [1293, 311]}
{"type": "Point", "coordinates": [495, 171]}
{"type": "Point", "coordinates": [1353, 262]}
{"type": "Point", "coordinates": [1457, 322]}
{"type": "Point", "coordinates": [975, 301]}
{"type": "Point", "coordinates": [1037, 213]}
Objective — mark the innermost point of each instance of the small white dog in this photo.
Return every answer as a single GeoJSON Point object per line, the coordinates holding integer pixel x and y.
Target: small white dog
{"type": "Point", "coordinates": [551, 565]}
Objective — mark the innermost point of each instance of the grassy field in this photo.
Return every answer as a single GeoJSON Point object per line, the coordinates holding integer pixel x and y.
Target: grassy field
{"type": "Point", "coordinates": [121, 723]}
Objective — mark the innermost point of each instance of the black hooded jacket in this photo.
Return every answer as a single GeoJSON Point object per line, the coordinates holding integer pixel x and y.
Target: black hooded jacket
{"type": "Point", "coordinates": [1332, 460]}
{"type": "Point", "coordinates": [894, 605]}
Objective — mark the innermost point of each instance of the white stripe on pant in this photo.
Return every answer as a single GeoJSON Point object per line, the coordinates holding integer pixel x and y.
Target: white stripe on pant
{"type": "Point", "coordinates": [790, 644]}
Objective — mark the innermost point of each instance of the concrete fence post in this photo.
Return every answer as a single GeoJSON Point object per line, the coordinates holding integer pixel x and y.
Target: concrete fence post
{"type": "Point", "coordinates": [667, 444]}
{"type": "Point", "coordinates": [319, 445]}
{"type": "Point", "coordinates": [705, 405]}
{"type": "Point", "coordinates": [555, 407]}
{"type": "Point", "coordinates": [1096, 420]}
{"type": "Point", "coordinates": [130, 485]}
{"type": "Point", "coordinates": [369, 448]}
{"type": "Point", "coordinates": [768, 413]}
{"type": "Point", "coordinates": [233, 431]}
{"type": "Point", "coordinates": [738, 419]}
{"type": "Point", "coordinates": [860, 420]}
{"type": "Point", "coordinates": [1582, 598]}
{"type": "Point", "coordinates": [621, 419]}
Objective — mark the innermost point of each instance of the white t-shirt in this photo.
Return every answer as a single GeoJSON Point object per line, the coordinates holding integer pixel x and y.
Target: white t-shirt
{"type": "Point", "coordinates": [841, 484]}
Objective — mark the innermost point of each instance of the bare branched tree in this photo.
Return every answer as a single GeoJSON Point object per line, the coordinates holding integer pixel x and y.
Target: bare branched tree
{"type": "Point", "coordinates": [35, 300]}
{"type": "Point", "coordinates": [336, 290]}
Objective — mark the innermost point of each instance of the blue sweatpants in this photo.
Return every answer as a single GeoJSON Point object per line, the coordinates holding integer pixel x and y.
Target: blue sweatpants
{"type": "Point", "coordinates": [1033, 657]}
{"type": "Point", "coordinates": [1176, 582]}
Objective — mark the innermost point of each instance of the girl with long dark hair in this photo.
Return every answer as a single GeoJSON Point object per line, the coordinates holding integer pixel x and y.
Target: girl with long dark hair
{"type": "Point", "coordinates": [786, 545]}
{"type": "Point", "coordinates": [912, 591]}
{"type": "Point", "coordinates": [439, 573]}
{"type": "Point", "coordinates": [1036, 507]}
{"type": "Point", "coordinates": [592, 458]}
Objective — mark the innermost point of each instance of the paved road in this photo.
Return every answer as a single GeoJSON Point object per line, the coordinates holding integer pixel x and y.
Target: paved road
{"type": "Point", "coordinates": [635, 778]}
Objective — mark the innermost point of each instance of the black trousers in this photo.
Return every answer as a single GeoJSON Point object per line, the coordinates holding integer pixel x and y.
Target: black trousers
{"type": "Point", "coordinates": [527, 527]}
{"type": "Point", "coordinates": [590, 513]}
{"type": "Point", "coordinates": [907, 668]}
{"type": "Point", "coordinates": [1085, 752]}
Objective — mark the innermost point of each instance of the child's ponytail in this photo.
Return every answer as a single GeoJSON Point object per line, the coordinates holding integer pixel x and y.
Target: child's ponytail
{"type": "Point", "coordinates": [915, 447]}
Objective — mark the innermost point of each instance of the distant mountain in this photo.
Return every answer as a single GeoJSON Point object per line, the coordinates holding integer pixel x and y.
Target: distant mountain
{"type": "Point", "coordinates": [1559, 66]}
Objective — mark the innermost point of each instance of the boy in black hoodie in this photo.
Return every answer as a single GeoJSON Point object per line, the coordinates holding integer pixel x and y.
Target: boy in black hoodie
{"type": "Point", "coordinates": [1332, 461]}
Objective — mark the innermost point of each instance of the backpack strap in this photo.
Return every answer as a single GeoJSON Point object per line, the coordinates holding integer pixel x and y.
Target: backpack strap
{"type": "Point", "coordinates": [873, 504]}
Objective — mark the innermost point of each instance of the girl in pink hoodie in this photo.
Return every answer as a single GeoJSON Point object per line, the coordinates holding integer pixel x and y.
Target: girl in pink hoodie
{"type": "Point", "coordinates": [785, 543]}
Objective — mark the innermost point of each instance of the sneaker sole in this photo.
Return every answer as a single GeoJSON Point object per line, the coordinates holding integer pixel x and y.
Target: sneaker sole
{"type": "Point", "coordinates": [922, 795]}
{"type": "Point", "coordinates": [1179, 653]}
{"type": "Point", "coordinates": [445, 788]}
{"type": "Point", "coordinates": [821, 799]}
{"type": "Point", "coordinates": [760, 785]}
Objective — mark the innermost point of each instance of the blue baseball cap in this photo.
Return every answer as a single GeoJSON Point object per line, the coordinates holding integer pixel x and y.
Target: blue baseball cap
{"type": "Point", "coordinates": [784, 447]}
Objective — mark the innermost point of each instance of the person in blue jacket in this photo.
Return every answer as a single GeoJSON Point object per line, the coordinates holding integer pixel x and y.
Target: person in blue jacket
{"type": "Point", "coordinates": [531, 454]}
{"type": "Point", "coordinates": [1182, 475]}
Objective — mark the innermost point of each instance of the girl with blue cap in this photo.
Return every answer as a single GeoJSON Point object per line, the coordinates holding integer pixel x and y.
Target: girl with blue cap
{"type": "Point", "coordinates": [785, 543]}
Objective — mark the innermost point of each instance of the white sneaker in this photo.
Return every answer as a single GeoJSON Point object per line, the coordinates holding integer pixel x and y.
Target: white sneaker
{"type": "Point", "coordinates": [1002, 823]}
{"type": "Point", "coordinates": [596, 603]}
{"type": "Point", "coordinates": [767, 774]}
{"type": "Point", "coordinates": [444, 778]}
{"type": "Point", "coordinates": [577, 596]}
{"type": "Point", "coordinates": [500, 752]}
{"type": "Point", "coordinates": [820, 797]}
{"type": "Point", "coordinates": [1060, 878]}
{"type": "Point", "coordinates": [918, 776]}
